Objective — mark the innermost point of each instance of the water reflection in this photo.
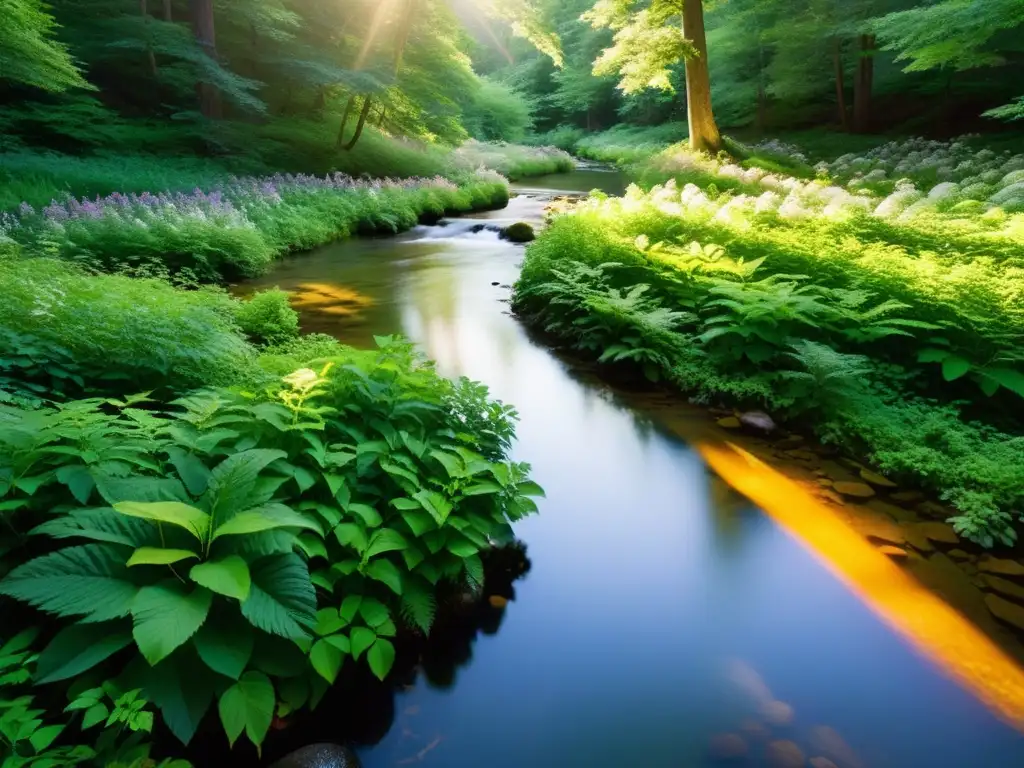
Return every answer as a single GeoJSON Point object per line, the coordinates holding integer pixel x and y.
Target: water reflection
{"type": "Point", "coordinates": [648, 575]}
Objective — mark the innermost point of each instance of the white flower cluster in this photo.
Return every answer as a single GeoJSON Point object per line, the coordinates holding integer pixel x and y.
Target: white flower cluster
{"type": "Point", "coordinates": [954, 176]}
{"type": "Point", "coordinates": [776, 147]}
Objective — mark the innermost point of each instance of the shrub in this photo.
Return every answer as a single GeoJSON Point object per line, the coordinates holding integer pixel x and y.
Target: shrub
{"type": "Point", "coordinates": [511, 160]}
{"type": "Point", "coordinates": [268, 318]}
{"type": "Point", "coordinates": [239, 549]}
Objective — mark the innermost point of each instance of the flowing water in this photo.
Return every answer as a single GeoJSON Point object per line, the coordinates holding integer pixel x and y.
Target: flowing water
{"type": "Point", "coordinates": [659, 610]}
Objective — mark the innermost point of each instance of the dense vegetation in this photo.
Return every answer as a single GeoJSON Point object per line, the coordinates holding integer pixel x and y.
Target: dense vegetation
{"type": "Point", "coordinates": [206, 515]}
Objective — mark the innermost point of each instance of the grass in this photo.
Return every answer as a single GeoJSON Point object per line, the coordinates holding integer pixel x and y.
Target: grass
{"type": "Point", "coordinates": [513, 161]}
{"type": "Point", "coordinates": [892, 331]}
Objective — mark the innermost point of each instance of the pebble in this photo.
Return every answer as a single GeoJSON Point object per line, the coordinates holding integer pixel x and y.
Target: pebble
{"type": "Point", "coordinates": [875, 479]}
{"type": "Point", "coordinates": [894, 552]}
{"type": "Point", "coordinates": [785, 754]}
{"type": "Point", "coordinates": [1011, 613]}
{"type": "Point", "coordinates": [937, 532]}
{"type": "Point", "coordinates": [1004, 586]}
{"type": "Point", "coordinates": [729, 422]}
{"type": "Point", "coordinates": [497, 601]}
{"type": "Point", "coordinates": [777, 713]}
{"type": "Point", "coordinates": [727, 746]}
{"type": "Point", "coordinates": [855, 490]}
{"type": "Point", "coordinates": [1000, 566]}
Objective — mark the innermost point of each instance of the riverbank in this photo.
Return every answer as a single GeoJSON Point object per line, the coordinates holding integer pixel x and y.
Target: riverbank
{"type": "Point", "coordinates": [722, 287]}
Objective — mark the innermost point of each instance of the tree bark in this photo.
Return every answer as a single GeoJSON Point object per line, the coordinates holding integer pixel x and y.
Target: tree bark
{"type": "Point", "coordinates": [168, 11]}
{"type": "Point", "coordinates": [360, 125]}
{"type": "Point", "coordinates": [210, 103]}
{"type": "Point", "coordinates": [704, 133]}
{"type": "Point", "coordinates": [344, 120]}
{"type": "Point", "coordinates": [844, 118]}
{"type": "Point", "coordinates": [863, 84]}
{"type": "Point", "coordinates": [150, 56]}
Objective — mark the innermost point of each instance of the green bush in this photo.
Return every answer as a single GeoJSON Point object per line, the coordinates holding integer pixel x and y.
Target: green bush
{"type": "Point", "coordinates": [65, 331]}
{"type": "Point", "coordinates": [852, 325]}
{"type": "Point", "coordinates": [232, 552]}
{"type": "Point", "coordinates": [267, 317]}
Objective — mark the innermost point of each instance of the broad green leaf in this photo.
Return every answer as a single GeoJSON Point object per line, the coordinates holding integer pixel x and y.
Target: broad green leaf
{"type": "Point", "coordinates": [988, 385]}
{"type": "Point", "coordinates": [340, 642]}
{"type": "Point", "coordinates": [248, 706]}
{"type": "Point", "coordinates": [530, 488]}
{"type": "Point", "coordinates": [419, 522]}
{"type": "Point", "coordinates": [437, 505]}
{"type": "Point", "coordinates": [384, 540]}
{"type": "Point", "coordinates": [481, 488]}
{"type": "Point", "coordinates": [326, 659]}
{"type": "Point", "coordinates": [381, 657]}
{"type": "Point", "coordinates": [157, 556]}
{"type": "Point", "coordinates": [349, 607]}
{"type": "Point", "coordinates": [182, 688]}
{"type": "Point", "coordinates": [361, 639]}
{"type": "Point", "coordinates": [404, 503]}
{"type": "Point", "coordinates": [79, 481]}
{"type": "Point", "coordinates": [328, 621]}
{"type": "Point", "coordinates": [94, 715]}
{"type": "Point", "coordinates": [1012, 380]}
{"type": "Point", "coordinates": [387, 629]}
{"type": "Point", "coordinates": [190, 468]}
{"type": "Point", "coordinates": [475, 570]}
{"type": "Point", "coordinates": [932, 355]}
{"type": "Point", "coordinates": [435, 541]}
{"type": "Point", "coordinates": [166, 616]}
{"type": "Point", "coordinates": [44, 737]}
{"type": "Point", "coordinates": [502, 474]}
{"type": "Point", "coordinates": [225, 642]}
{"type": "Point", "coordinates": [413, 556]}
{"type": "Point", "coordinates": [351, 535]}
{"type": "Point", "coordinates": [386, 572]}
{"type": "Point", "coordinates": [80, 647]}
{"type": "Point", "coordinates": [373, 611]}
{"type": "Point", "coordinates": [228, 576]}
{"type": "Point", "coordinates": [282, 600]}
{"type": "Point", "coordinates": [103, 524]}
{"type": "Point", "coordinates": [303, 478]}
{"type": "Point", "coordinates": [90, 581]}
{"type": "Point", "coordinates": [193, 520]}
{"type": "Point", "coordinates": [267, 517]}
{"type": "Point", "coordinates": [234, 482]}
{"type": "Point", "coordinates": [312, 546]}
{"type": "Point", "coordinates": [461, 546]}
{"type": "Point", "coordinates": [451, 462]}
{"type": "Point", "coordinates": [346, 567]}
{"type": "Point", "coordinates": [369, 515]}
{"type": "Point", "coordinates": [953, 367]}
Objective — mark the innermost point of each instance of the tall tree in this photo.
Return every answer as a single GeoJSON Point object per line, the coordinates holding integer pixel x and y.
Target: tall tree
{"type": "Point", "coordinates": [648, 42]}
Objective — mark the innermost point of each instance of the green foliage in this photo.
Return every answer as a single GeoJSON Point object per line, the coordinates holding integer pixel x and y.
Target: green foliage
{"type": "Point", "coordinates": [28, 52]}
{"type": "Point", "coordinates": [268, 318]}
{"type": "Point", "coordinates": [498, 113]}
{"type": "Point", "coordinates": [879, 340]}
{"type": "Point", "coordinates": [226, 546]}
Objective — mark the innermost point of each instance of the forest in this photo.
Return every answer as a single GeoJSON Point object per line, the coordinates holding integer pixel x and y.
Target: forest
{"type": "Point", "coordinates": [210, 517]}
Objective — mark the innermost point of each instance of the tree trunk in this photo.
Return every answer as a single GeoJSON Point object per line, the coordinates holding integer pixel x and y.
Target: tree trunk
{"type": "Point", "coordinates": [168, 11]}
{"type": "Point", "coordinates": [704, 133]}
{"type": "Point", "coordinates": [149, 48]}
{"type": "Point", "coordinates": [382, 118]}
{"type": "Point", "coordinates": [202, 23]}
{"type": "Point", "coordinates": [344, 120]}
{"type": "Point", "coordinates": [862, 85]}
{"type": "Point", "coordinates": [319, 101]}
{"type": "Point", "coordinates": [837, 61]}
{"type": "Point", "coordinates": [360, 125]}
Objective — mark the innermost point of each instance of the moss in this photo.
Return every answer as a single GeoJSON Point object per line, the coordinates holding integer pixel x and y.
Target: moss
{"type": "Point", "coordinates": [520, 232]}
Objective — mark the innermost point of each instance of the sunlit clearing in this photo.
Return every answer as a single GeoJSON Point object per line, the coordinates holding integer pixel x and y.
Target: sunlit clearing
{"type": "Point", "coordinates": [380, 16]}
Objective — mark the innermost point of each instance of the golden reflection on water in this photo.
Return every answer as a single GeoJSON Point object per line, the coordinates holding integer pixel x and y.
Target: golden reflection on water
{"type": "Point", "coordinates": [329, 299]}
{"type": "Point", "coordinates": [943, 635]}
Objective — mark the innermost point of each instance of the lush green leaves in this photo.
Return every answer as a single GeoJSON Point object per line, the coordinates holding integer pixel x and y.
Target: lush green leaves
{"type": "Point", "coordinates": [248, 706]}
{"type": "Point", "coordinates": [166, 616]}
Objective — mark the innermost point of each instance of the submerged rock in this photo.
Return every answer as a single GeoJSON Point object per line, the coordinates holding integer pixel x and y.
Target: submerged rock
{"type": "Point", "coordinates": [757, 420]}
{"type": "Point", "coordinates": [1003, 586]}
{"type": "Point", "coordinates": [729, 422]}
{"type": "Point", "coordinates": [497, 601]}
{"type": "Point", "coordinates": [1000, 566]}
{"type": "Point", "coordinates": [822, 762]}
{"type": "Point", "coordinates": [320, 756]}
{"type": "Point", "coordinates": [785, 754]}
{"type": "Point", "coordinates": [520, 232]}
{"type": "Point", "coordinates": [727, 747]}
{"type": "Point", "coordinates": [1011, 613]}
{"type": "Point", "coordinates": [855, 490]}
{"type": "Point", "coordinates": [876, 479]}
{"type": "Point", "coordinates": [777, 713]}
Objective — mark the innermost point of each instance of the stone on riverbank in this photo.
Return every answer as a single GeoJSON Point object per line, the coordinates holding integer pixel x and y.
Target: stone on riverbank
{"type": "Point", "coordinates": [320, 756]}
{"type": "Point", "coordinates": [1003, 586]}
{"type": "Point", "coordinates": [520, 232]}
{"type": "Point", "coordinates": [1000, 566]}
{"type": "Point", "coordinates": [1004, 610]}
{"type": "Point", "coordinates": [757, 420]}
{"type": "Point", "coordinates": [855, 490]}
{"type": "Point", "coordinates": [876, 479]}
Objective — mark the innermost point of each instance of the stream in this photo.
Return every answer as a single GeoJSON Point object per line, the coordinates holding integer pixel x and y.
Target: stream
{"type": "Point", "coordinates": [659, 609]}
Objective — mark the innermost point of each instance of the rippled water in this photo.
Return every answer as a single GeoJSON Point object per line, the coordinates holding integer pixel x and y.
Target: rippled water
{"type": "Point", "coordinates": [659, 609]}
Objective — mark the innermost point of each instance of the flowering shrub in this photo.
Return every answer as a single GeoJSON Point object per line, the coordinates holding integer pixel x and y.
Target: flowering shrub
{"type": "Point", "coordinates": [237, 229]}
{"type": "Point", "coordinates": [512, 160]}
{"type": "Point", "coordinates": [897, 337]}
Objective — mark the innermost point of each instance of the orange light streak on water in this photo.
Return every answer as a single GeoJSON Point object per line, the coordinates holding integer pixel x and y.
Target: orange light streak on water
{"type": "Point", "coordinates": [953, 643]}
